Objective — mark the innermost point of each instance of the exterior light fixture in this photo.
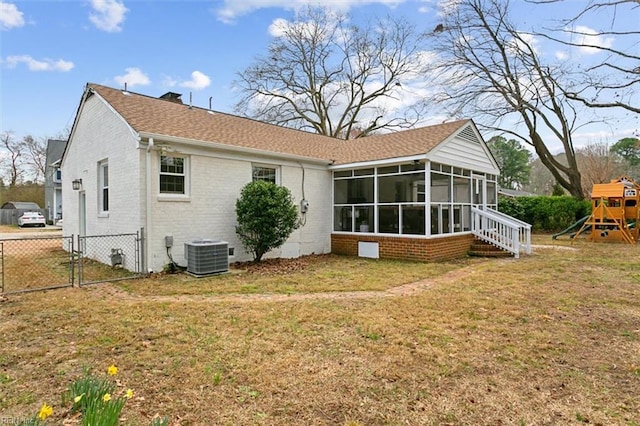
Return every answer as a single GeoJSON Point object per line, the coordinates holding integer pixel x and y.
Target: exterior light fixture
{"type": "Point", "coordinates": [76, 184]}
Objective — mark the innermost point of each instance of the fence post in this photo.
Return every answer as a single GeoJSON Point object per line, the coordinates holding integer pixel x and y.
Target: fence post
{"type": "Point", "coordinates": [2, 266]}
{"type": "Point", "coordinates": [79, 251]}
{"type": "Point", "coordinates": [72, 261]}
{"type": "Point", "coordinates": [143, 257]}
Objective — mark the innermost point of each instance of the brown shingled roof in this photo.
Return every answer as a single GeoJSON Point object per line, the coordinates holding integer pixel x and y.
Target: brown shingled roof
{"type": "Point", "coordinates": [152, 115]}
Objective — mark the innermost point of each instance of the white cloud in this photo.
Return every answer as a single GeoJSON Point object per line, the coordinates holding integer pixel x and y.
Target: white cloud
{"type": "Point", "coordinates": [10, 16]}
{"type": "Point", "coordinates": [133, 77]}
{"type": "Point", "coordinates": [589, 37]}
{"type": "Point", "coordinates": [36, 65]}
{"type": "Point", "coordinates": [108, 15]}
{"type": "Point", "coordinates": [198, 81]}
{"type": "Point", "coordinates": [447, 7]}
{"type": "Point", "coordinates": [168, 81]}
{"type": "Point", "coordinates": [278, 27]}
{"type": "Point", "coordinates": [233, 9]}
{"type": "Point", "coordinates": [523, 43]}
{"type": "Point", "coordinates": [562, 55]}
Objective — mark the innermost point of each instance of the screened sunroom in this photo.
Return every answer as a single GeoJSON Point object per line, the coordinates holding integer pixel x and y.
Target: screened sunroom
{"type": "Point", "coordinates": [417, 198]}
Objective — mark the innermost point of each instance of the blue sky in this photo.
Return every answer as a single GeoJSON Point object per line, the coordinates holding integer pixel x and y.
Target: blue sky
{"type": "Point", "coordinates": [50, 49]}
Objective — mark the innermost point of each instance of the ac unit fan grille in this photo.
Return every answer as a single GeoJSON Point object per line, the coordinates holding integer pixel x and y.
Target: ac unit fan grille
{"type": "Point", "coordinates": [205, 257]}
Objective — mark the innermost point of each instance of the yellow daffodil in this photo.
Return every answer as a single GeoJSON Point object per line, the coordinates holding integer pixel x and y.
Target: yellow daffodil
{"type": "Point", "coordinates": [78, 398]}
{"type": "Point", "coordinates": [106, 397]}
{"type": "Point", "coordinates": [45, 411]}
{"type": "Point", "coordinates": [128, 394]}
{"type": "Point", "coordinates": [112, 370]}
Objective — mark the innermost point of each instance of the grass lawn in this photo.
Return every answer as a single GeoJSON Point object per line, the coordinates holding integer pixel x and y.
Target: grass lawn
{"type": "Point", "coordinates": [552, 338]}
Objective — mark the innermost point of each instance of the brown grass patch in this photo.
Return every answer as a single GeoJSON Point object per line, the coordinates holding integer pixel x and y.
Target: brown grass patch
{"type": "Point", "coordinates": [552, 338]}
{"type": "Point", "coordinates": [11, 229]}
{"type": "Point", "coordinates": [309, 274]}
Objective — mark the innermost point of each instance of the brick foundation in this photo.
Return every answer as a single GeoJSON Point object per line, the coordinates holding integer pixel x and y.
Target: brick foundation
{"type": "Point", "coordinates": [420, 249]}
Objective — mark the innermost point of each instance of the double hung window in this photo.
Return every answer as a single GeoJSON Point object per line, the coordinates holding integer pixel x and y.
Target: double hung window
{"type": "Point", "coordinates": [265, 173]}
{"type": "Point", "coordinates": [173, 172]}
{"type": "Point", "coordinates": [103, 187]}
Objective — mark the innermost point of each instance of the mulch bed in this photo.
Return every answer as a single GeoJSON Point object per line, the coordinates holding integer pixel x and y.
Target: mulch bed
{"type": "Point", "coordinates": [280, 266]}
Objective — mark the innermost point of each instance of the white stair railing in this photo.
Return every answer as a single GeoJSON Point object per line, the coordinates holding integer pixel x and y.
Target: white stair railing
{"type": "Point", "coordinates": [501, 230]}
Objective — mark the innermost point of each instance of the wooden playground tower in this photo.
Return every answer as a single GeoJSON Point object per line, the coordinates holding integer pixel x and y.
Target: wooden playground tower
{"type": "Point", "coordinates": [615, 212]}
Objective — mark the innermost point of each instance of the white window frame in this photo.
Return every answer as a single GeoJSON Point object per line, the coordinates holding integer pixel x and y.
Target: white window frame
{"type": "Point", "coordinates": [103, 185]}
{"type": "Point", "coordinates": [174, 196]}
{"type": "Point", "coordinates": [266, 166]}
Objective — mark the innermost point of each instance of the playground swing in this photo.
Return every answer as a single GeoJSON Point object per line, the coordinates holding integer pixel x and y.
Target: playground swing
{"type": "Point", "coordinates": [615, 213]}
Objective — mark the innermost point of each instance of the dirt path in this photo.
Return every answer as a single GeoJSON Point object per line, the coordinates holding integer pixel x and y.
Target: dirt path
{"type": "Point", "coordinates": [112, 291]}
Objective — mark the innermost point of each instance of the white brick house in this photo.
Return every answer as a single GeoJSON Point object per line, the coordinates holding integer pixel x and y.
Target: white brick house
{"type": "Point", "coordinates": [177, 170]}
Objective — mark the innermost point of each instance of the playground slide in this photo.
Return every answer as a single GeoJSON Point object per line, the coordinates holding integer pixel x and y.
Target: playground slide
{"type": "Point", "coordinates": [573, 228]}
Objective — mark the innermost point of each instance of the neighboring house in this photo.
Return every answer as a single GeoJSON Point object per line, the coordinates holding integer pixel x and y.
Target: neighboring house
{"type": "Point", "coordinates": [177, 170]}
{"type": "Point", "coordinates": [53, 180]}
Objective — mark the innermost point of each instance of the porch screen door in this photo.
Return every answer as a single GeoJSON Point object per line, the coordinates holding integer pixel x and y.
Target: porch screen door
{"type": "Point", "coordinates": [479, 192]}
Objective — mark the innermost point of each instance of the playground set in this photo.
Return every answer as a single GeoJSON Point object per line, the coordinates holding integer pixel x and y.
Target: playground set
{"type": "Point", "coordinates": [615, 213]}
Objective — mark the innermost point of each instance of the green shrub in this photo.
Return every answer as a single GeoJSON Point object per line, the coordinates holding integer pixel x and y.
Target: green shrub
{"type": "Point", "coordinates": [545, 213]}
{"type": "Point", "coordinates": [266, 217]}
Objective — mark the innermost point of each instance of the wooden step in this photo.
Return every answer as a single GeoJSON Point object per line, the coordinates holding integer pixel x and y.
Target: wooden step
{"type": "Point", "coordinates": [480, 248]}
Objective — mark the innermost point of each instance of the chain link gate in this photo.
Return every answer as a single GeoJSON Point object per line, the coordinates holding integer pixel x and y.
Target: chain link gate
{"type": "Point", "coordinates": [32, 264]}
{"type": "Point", "coordinates": [105, 258]}
{"type": "Point", "coordinates": [44, 263]}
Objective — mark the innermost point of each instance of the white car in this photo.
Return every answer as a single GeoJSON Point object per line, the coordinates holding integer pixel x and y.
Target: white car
{"type": "Point", "coordinates": [31, 219]}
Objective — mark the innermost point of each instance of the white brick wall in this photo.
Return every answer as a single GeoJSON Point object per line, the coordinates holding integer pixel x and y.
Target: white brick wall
{"type": "Point", "coordinates": [100, 135]}
{"type": "Point", "coordinates": [210, 210]}
{"type": "Point", "coordinates": [215, 182]}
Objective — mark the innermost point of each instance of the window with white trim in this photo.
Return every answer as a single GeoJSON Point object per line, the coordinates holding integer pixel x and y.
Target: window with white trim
{"type": "Point", "coordinates": [265, 173]}
{"type": "Point", "coordinates": [103, 186]}
{"type": "Point", "coordinates": [173, 175]}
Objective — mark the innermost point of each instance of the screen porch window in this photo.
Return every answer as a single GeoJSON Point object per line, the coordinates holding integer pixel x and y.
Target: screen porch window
{"type": "Point", "coordinates": [172, 174]}
{"type": "Point", "coordinates": [407, 199]}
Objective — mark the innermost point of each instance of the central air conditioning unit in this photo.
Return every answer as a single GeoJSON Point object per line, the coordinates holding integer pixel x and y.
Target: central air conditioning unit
{"type": "Point", "coordinates": [206, 257]}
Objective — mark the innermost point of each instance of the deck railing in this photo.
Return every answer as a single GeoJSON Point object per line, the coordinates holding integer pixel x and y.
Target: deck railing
{"type": "Point", "coordinates": [501, 230]}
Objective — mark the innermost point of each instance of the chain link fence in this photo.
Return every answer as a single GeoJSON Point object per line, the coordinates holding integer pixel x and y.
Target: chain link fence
{"type": "Point", "coordinates": [29, 264]}
{"type": "Point", "coordinates": [43, 263]}
{"type": "Point", "coordinates": [108, 257]}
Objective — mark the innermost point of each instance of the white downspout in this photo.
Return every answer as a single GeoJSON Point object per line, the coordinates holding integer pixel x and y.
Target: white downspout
{"type": "Point", "coordinates": [148, 205]}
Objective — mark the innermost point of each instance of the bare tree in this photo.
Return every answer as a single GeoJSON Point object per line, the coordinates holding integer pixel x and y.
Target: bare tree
{"type": "Point", "coordinates": [12, 158]}
{"type": "Point", "coordinates": [614, 81]}
{"type": "Point", "coordinates": [35, 152]}
{"type": "Point", "coordinates": [598, 165]}
{"type": "Point", "coordinates": [323, 74]}
{"type": "Point", "coordinates": [490, 70]}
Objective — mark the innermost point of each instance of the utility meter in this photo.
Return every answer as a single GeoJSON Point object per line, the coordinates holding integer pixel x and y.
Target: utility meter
{"type": "Point", "coordinates": [304, 206]}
